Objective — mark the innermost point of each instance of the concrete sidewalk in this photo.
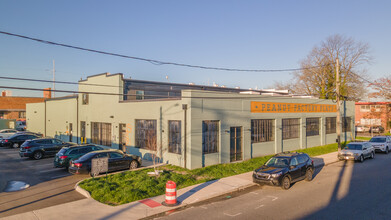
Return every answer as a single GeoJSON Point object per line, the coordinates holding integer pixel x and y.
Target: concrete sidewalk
{"type": "Point", "coordinates": [90, 209]}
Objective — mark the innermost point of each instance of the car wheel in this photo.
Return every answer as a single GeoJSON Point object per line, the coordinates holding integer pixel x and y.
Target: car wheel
{"type": "Point", "coordinates": [308, 174]}
{"type": "Point", "coordinates": [133, 165]}
{"type": "Point", "coordinates": [15, 145]}
{"type": "Point", "coordinates": [286, 183]}
{"type": "Point", "coordinates": [372, 155]}
{"type": "Point", "coordinates": [361, 159]}
{"type": "Point", "coordinates": [37, 155]}
{"type": "Point", "coordinates": [386, 150]}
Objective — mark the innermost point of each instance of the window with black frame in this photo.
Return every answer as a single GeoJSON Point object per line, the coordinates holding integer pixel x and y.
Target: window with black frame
{"type": "Point", "coordinates": [262, 130]}
{"type": "Point", "coordinates": [312, 126]}
{"type": "Point", "coordinates": [331, 125]}
{"type": "Point", "coordinates": [210, 136]}
{"type": "Point", "coordinates": [290, 128]}
{"type": "Point", "coordinates": [346, 124]}
{"type": "Point", "coordinates": [146, 135]}
{"type": "Point", "coordinates": [174, 137]}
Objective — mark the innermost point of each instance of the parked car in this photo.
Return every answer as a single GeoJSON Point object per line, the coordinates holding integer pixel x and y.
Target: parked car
{"type": "Point", "coordinates": [362, 128]}
{"type": "Point", "coordinates": [381, 143]}
{"type": "Point", "coordinates": [16, 140]}
{"type": "Point", "coordinates": [66, 154]}
{"type": "Point", "coordinates": [284, 169]}
{"type": "Point", "coordinates": [376, 129]}
{"type": "Point", "coordinates": [29, 132]}
{"type": "Point", "coordinates": [117, 160]}
{"type": "Point", "coordinates": [4, 133]}
{"type": "Point", "coordinates": [38, 148]}
{"type": "Point", "coordinates": [357, 151]}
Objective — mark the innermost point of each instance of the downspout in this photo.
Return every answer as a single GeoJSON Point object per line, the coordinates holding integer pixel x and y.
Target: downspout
{"type": "Point", "coordinates": [184, 107]}
{"type": "Point", "coordinates": [77, 119]}
{"type": "Point", "coordinates": [45, 120]}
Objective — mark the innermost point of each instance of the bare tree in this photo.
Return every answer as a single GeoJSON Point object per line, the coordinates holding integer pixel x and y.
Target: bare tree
{"type": "Point", "coordinates": [317, 74]}
{"type": "Point", "coordinates": [151, 142]}
{"type": "Point", "coordinates": [382, 88]}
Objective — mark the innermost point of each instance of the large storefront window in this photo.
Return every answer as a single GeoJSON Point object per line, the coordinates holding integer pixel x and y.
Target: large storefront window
{"type": "Point", "coordinates": [290, 128]}
{"type": "Point", "coordinates": [331, 125]}
{"type": "Point", "coordinates": [101, 133]}
{"type": "Point", "coordinates": [146, 134]}
{"type": "Point", "coordinates": [312, 126]}
{"type": "Point", "coordinates": [346, 124]}
{"type": "Point", "coordinates": [262, 130]}
{"type": "Point", "coordinates": [210, 136]}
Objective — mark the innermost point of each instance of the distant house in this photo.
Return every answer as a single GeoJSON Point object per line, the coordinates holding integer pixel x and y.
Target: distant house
{"type": "Point", "coordinates": [373, 114]}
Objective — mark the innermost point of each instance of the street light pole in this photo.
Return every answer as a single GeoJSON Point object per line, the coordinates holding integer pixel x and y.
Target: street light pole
{"type": "Point", "coordinates": [337, 89]}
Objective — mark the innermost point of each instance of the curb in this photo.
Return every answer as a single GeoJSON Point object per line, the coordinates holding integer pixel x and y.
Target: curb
{"type": "Point", "coordinates": [81, 190]}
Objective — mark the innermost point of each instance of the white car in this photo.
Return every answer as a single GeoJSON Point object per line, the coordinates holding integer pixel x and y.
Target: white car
{"type": "Point", "coordinates": [362, 128]}
{"type": "Point", "coordinates": [381, 143]}
{"type": "Point", "coordinates": [5, 133]}
{"type": "Point", "coordinates": [357, 151]}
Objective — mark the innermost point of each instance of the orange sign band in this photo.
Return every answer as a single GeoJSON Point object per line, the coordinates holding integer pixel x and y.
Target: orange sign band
{"type": "Point", "coordinates": [278, 107]}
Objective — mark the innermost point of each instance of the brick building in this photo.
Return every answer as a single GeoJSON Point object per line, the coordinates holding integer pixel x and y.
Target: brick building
{"type": "Point", "coordinates": [373, 114]}
{"type": "Point", "coordinates": [15, 107]}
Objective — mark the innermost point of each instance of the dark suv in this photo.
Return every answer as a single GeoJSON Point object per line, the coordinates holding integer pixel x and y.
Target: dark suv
{"type": "Point", "coordinates": [17, 139]}
{"type": "Point", "coordinates": [67, 154]}
{"type": "Point", "coordinates": [38, 148]}
{"type": "Point", "coordinates": [284, 169]}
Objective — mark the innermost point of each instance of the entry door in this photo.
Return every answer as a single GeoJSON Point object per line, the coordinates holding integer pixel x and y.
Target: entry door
{"type": "Point", "coordinates": [122, 137]}
{"type": "Point", "coordinates": [236, 143]}
{"type": "Point", "coordinates": [70, 132]}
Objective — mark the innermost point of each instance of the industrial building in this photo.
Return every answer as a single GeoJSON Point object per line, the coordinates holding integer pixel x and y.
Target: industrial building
{"type": "Point", "coordinates": [188, 125]}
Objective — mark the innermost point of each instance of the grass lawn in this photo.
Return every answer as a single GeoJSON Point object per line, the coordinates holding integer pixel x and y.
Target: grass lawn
{"type": "Point", "coordinates": [131, 186]}
{"type": "Point", "coordinates": [363, 138]}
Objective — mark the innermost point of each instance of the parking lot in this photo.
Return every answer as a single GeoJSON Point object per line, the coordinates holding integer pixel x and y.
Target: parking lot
{"type": "Point", "coordinates": [48, 185]}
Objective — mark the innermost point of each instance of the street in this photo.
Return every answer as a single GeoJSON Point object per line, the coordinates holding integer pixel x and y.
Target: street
{"type": "Point", "coordinates": [48, 186]}
{"type": "Point", "coordinates": [343, 190]}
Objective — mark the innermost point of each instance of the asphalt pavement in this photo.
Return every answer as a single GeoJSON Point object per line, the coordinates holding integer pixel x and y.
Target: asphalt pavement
{"type": "Point", "coordinates": [48, 186]}
{"type": "Point", "coordinates": [148, 208]}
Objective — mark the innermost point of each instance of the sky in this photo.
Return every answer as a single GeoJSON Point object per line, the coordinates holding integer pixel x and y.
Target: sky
{"type": "Point", "coordinates": [261, 34]}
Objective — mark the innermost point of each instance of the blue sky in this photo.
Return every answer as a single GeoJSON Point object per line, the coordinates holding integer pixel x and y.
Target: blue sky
{"type": "Point", "coordinates": [231, 34]}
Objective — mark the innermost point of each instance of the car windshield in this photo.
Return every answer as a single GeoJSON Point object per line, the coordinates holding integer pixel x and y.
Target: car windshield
{"type": "Point", "coordinates": [378, 140]}
{"type": "Point", "coordinates": [353, 147]}
{"type": "Point", "coordinates": [278, 162]}
{"type": "Point", "coordinates": [63, 150]}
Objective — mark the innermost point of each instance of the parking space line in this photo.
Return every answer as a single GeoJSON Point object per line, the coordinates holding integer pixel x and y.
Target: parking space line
{"type": "Point", "coordinates": [47, 171]}
{"type": "Point", "coordinates": [55, 177]}
{"type": "Point", "coordinates": [232, 215]}
{"type": "Point", "coordinates": [260, 206]}
{"type": "Point", "coordinates": [274, 198]}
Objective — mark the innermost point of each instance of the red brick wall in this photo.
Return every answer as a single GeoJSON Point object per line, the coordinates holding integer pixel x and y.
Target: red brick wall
{"type": "Point", "coordinates": [383, 115]}
{"type": "Point", "coordinates": [12, 105]}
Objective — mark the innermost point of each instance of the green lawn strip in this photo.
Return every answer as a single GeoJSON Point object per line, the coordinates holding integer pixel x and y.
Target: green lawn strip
{"type": "Point", "coordinates": [364, 138]}
{"type": "Point", "coordinates": [131, 186]}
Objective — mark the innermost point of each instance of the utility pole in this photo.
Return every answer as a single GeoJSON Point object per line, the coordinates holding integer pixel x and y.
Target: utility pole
{"type": "Point", "coordinates": [54, 88]}
{"type": "Point", "coordinates": [337, 89]}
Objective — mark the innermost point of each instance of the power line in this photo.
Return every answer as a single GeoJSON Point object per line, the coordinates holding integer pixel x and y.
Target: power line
{"type": "Point", "coordinates": [157, 62]}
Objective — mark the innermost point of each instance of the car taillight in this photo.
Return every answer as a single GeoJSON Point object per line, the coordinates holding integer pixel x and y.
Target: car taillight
{"type": "Point", "coordinates": [27, 147]}
{"type": "Point", "coordinates": [63, 157]}
{"type": "Point", "coordinates": [78, 164]}
{"type": "Point", "coordinates": [6, 141]}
